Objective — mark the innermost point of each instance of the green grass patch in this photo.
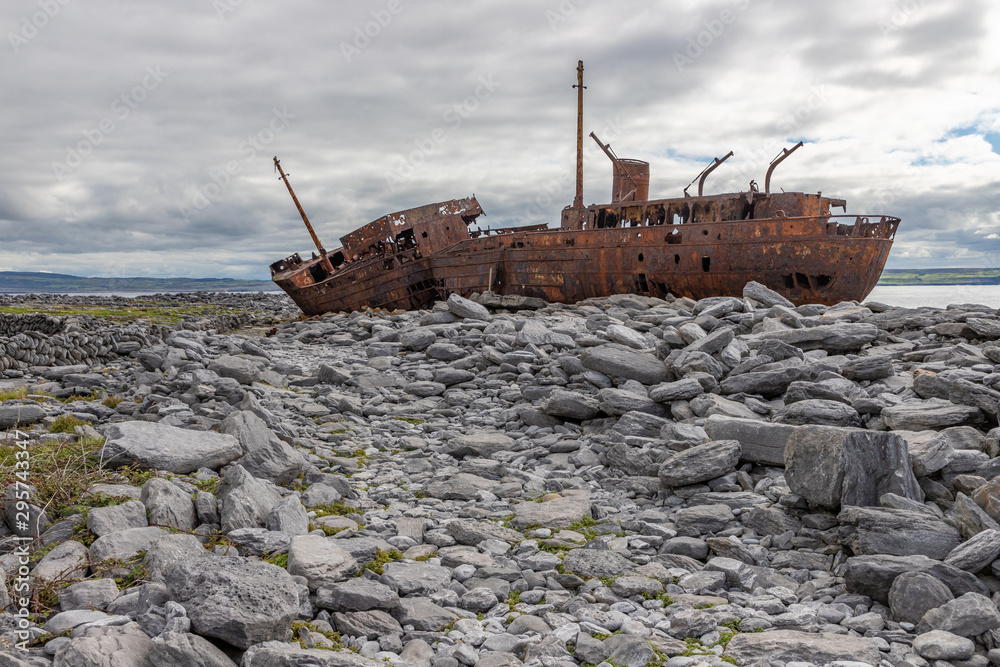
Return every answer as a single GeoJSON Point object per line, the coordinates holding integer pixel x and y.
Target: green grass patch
{"type": "Point", "coordinates": [281, 560]}
{"type": "Point", "coordinates": [410, 420]}
{"type": "Point", "coordinates": [157, 312]}
{"type": "Point", "coordinates": [92, 396]}
{"type": "Point", "coordinates": [62, 472]}
{"type": "Point", "coordinates": [329, 531]}
{"type": "Point", "coordinates": [557, 549]}
{"type": "Point", "coordinates": [207, 485]}
{"type": "Point", "coordinates": [334, 637]}
{"type": "Point", "coordinates": [67, 424]}
{"type": "Point", "coordinates": [381, 559]}
{"type": "Point", "coordinates": [13, 394]}
{"type": "Point", "coordinates": [112, 402]}
{"type": "Point", "coordinates": [339, 508]}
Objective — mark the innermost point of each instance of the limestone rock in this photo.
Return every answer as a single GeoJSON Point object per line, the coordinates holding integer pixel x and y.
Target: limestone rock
{"type": "Point", "coordinates": [967, 616]}
{"type": "Point", "coordinates": [915, 593]}
{"type": "Point", "coordinates": [554, 514]}
{"type": "Point", "coordinates": [699, 463]}
{"type": "Point", "coordinates": [319, 560]}
{"type": "Point", "coordinates": [240, 601]}
{"type": "Point", "coordinates": [163, 447]}
{"type": "Point", "coordinates": [266, 456]}
{"type": "Point", "coordinates": [830, 467]}
{"type": "Point", "coordinates": [789, 645]}
{"type": "Point", "coordinates": [168, 505]}
{"type": "Point", "coordinates": [620, 362]}
{"type": "Point", "coordinates": [870, 530]}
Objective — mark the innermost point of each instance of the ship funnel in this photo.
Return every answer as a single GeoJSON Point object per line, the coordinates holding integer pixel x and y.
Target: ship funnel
{"type": "Point", "coordinates": [630, 181]}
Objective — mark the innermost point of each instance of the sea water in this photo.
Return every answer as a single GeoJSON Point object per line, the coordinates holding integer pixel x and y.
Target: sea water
{"type": "Point", "coordinates": [938, 296]}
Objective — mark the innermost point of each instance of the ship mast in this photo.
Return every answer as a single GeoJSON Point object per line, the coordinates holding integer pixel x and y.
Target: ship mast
{"type": "Point", "coordinates": [319, 246]}
{"type": "Point", "coordinates": [578, 201]}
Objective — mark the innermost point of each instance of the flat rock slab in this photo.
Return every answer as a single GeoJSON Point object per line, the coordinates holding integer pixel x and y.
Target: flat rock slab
{"type": "Point", "coordinates": [483, 445]}
{"type": "Point", "coordinates": [933, 413]}
{"type": "Point", "coordinates": [876, 530]}
{"type": "Point", "coordinates": [274, 654]}
{"type": "Point", "coordinates": [356, 594]}
{"type": "Point", "coordinates": [242, 602]}
{"type": "Point", "coordinates": [942, 645]}
{"type": "Point", "coordinates": [319, 560]}
{"type": "Point", "coordinates": [875, 575]}
{"type": "Point", "coordinates": [422, 614]}
{"type": "Point", "coordinates": [118, 647]}
{"type": "Point", "coordinates": [474, 532]}
{"type": "Point", "coordinates": [416, 578]}
{"type": "Point", "coordinates": [589, 563]}
{"type": "Point", "coordinates": [25, 414]}
{"type": "Point", "coordinates": [843, 337]}
{"type": "Point", "coordinates": [241, 369]}
{"type": "Point", "coordinates": [617, 362]}
{"type": "Point", "coordinates": [462, 486]}
{"type": "Point", "coordinates": [571, 405]}
{"type": "Point", "coordinates": [699, 463]}
{"type": "Point", "coordinates": [760, 442]}
{"type": "Point", "coordinates": [791, 646]}
{"type": "Point", "coordinates": [163, 447]}
{"type": "Point", "coordinates": [554, 514]}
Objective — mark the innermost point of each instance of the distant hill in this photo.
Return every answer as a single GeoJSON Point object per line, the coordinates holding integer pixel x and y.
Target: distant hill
{"type": "Point", "coordinates": [17, 282]}
{"type": "Point", "coordinates": [940, 277]}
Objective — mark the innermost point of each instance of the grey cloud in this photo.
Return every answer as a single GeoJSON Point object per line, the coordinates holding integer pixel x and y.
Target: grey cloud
{"type": "Point", "coordinates": [177, 187]}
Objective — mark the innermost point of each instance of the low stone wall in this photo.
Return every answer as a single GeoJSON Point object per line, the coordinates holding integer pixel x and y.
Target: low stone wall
{"type": "Point", "coordinates": [44, 340]}
{"type": "Point", "coordinates": [11, 325]}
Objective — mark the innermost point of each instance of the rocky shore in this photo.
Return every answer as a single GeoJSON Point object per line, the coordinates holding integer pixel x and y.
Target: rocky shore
{"type": "Point", "coordinates": [500, 481]}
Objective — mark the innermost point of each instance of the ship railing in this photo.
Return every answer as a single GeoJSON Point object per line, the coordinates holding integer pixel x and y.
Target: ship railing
{"type": "Point", "coordinates": [862, 226]}
{"type": "Point", "coordinates": [289, 262]}
{"type": "Point", "coordinates": [501, 231]}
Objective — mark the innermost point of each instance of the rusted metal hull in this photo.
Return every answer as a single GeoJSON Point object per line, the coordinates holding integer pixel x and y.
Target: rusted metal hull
{"type": "Point", "coordinates": [794, 256]}
{"type": "Point", "coordinates": [807, 259]}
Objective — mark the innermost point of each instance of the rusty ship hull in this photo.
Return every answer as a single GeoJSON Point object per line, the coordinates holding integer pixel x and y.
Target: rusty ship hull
{"type": "Point", "coordinates": [695, 246]}
{"type": "Point", "coordinates": [820, 258]}
{"type": "Point", "coordinates": [796, 257]}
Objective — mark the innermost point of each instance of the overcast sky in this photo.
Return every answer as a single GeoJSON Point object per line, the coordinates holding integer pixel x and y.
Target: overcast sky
{"type": "Point", "coordinates": [137, 137]}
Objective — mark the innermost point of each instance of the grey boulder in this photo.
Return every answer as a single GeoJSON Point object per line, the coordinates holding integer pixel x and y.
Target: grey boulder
{"type": "Point", "coordinates": [163, 447]}
{"type": "Point", "coordinates": [240, 601]}
{"type": "Point", "coordinates": [699, 463]}
{"type": "Point", "coordinates": [182, 649]}
{"type": "Point", "coordinates": [620, 362]}
{"type": "Point", "coordinates": [831, 467]}
{"type": "Point", "coordinates": [246, 501]}
{"type": "Point", "coordinates": [168, 505]}
{"type": "Point", "coordinates": [266, 456]}
{"type": "Point", "coordinates": [913, 594]}
{"type": "Point", "coordinates": [967, 616]}
{"type": "Point", "coordinates": [871, 530]}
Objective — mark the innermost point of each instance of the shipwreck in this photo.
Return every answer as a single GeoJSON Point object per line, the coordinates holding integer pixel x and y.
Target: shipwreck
{"type": "Point", "coordinates": [695, 245]}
